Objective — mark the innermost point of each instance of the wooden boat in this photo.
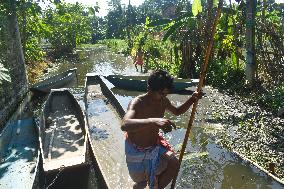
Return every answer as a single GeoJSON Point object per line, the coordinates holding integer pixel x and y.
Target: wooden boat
{"type": "Point", "coordinates": [54, 82]}
{"type": "Point", "coordinates": [104, 113]}
{"type": "Point", "coordinates": [19, 155]}
{"type": "Point", "coordinates": [63, 138]}
{"type": "Point", "coordinates": [139, 83]}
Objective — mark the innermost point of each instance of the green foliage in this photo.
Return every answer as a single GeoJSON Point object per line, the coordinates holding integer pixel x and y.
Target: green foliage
{"type": "Point", "coordinates": [172, 29]}
{"type": "Point", "coordinates": [159, 22]}
{"type": "Point", "coordinates": [32, 30]}
{"type": "Point", "coordinates": [98, 28]}
{"type": "Point", "coordinates": [227, 63]}
{"type": "Point", "coordinates": [224, 75]}
{"type": "Point", "coordinates": [116, 23]}
{"type": "Point", "coordinates": [227, 43]}
{"type": "Point", "coordinates": [116, 45]}
{"type": "Point", "coordinates": [140, 40]}
{"type": "Point", "coordinates": [272, 99]}
{"type": "Point", "coordinates": [89, 46]}
{"type": "Point", "coordinates": [33, 51]}
{"type": "Point", "coordinates": [215, 3]}
{"type": "Point", "coordinates": [157, 54]}
{"type": "Point", "coordinates": [67, 26]}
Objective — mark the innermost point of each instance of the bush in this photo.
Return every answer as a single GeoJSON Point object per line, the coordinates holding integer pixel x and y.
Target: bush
{"type": "Point", "coordinates": [222, 75]}
{"type": "Point", "coordinates": [116, 45]}
{"type": "Point", "coordinates": [272, 100]}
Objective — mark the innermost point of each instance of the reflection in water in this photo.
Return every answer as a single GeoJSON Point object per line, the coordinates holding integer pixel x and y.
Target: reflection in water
{"type": "Point", "coordinates": [206, 164]}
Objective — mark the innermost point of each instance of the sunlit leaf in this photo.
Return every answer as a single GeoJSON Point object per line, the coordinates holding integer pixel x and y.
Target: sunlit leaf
{"type": "Point", "coordinates": [147, 22]}
{"type": "Point", "coordinates": [234, 58]}
{"type": "Point", "coordinates": [192, 155]}
{"type": "Point", "coordinates": [196, 7]}
{"type": "Point", "coordinates": [215, 3]}
{"type": "Point", "coordinates": [230, 25]}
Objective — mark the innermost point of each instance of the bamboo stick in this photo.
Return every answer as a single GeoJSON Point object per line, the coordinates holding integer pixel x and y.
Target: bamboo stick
{"type": "Point", "coordinates": [199, 88]}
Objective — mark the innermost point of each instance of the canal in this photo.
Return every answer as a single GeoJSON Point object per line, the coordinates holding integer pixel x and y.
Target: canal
{"type": "Point", "coordinates": [206, 164]}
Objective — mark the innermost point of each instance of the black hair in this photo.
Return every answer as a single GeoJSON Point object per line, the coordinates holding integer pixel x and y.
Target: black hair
{"type": "Point", "coordinates": [160, 80]}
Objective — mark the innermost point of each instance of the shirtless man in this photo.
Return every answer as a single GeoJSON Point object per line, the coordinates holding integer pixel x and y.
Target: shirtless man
{"type": "Point", "coordinates": [138, 60]}
{"type": "Point", "coordinates": [149, 157]}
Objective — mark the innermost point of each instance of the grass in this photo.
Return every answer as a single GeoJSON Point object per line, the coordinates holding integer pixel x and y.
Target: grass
{"type": "Point", "coordinates": [116, 45]}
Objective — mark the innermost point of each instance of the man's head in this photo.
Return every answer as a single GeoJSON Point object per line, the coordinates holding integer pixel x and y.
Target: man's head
{"type": "Point", "coordinates": [160, 80]}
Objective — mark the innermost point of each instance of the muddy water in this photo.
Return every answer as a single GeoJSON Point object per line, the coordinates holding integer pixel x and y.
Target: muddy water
{"type": "Point", "coordinates": [206, 164]}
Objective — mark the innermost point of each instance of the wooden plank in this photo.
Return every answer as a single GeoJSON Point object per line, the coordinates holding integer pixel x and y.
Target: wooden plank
{"type": "Point", "coordinates": [73, 162]}
{"type": "Point", "coordinates": [107, 140]}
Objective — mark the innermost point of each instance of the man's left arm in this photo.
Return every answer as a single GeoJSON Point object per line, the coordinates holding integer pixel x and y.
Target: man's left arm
{"type": "Point", "coordinates": [182, 108]}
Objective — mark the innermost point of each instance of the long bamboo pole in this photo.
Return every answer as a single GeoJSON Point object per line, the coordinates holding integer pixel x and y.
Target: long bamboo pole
{"type": "Point", "coordinates": [199, 88]}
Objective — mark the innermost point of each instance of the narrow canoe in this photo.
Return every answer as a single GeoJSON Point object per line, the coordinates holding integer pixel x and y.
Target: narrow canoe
{"type": "Point", "coordinates": [139, 83]}
{"type": "Point", "coordinates": [63, 138]}
{"type": "Point", "coordinates": [19, 155]}
{"type": "Point", "coordinates": [104, 113]}
{"type": "Point", "coordinates": [55, 82]}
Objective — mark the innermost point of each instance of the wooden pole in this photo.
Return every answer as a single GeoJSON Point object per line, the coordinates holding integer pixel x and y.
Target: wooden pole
{"type": "Point", "coordinates": [199, 88]}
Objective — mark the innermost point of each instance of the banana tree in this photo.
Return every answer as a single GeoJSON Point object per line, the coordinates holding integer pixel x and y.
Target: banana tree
{"type": "Point", "coordinates": [189, 30]}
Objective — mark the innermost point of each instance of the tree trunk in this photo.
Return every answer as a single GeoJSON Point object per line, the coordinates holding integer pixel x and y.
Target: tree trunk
{"type": "Point", "coordinates": [24, 25]}
{"type": "Point", "coordinates": [236, 38]}
{"type": "Point", "coordinates": [186, 67]}
{"type": "Point", "coordinates": [15, 90]}
{"type": "Point", "coordinates": [250, 42]}
{"type": "Point", "coordinates": [15, 52]}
